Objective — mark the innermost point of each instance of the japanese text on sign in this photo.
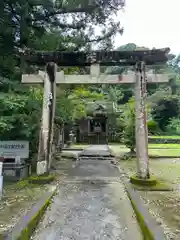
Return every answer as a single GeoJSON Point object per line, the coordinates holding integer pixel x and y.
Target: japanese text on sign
{"type": "Point", "coordinates": [14, 148]}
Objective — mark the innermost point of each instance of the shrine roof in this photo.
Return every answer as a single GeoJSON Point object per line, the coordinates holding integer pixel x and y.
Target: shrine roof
{"type": "Point", "coordinates": [103, 105]}
{"type": "Point", "coordinates": [105, 58]}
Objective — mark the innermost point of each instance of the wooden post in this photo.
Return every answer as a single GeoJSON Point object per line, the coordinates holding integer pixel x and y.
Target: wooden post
{"type": "Point", "coordinates": [48, 114]}
{"type": "Point", "coordinates": [141, 125]}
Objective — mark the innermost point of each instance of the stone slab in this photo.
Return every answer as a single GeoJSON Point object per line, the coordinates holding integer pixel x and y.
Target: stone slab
{"type": "Point", "coordinates": [96, 150]}
{"type": "Point", "coordinates": [86, 211]}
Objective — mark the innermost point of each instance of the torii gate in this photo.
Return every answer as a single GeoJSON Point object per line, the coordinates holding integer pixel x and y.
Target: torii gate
{"type": "Point", "coordinates": [50, 77]}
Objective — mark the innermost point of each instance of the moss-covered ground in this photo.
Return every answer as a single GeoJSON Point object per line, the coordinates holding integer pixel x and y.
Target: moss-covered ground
{"type": "Point", "coordinates": [156, 150]}
{"type": "Point", "coordinates": [166, 137]}
{"type": "Point", "coordinates": [164, 205]}
{"type": "Point", "coordinates": [17, 199]}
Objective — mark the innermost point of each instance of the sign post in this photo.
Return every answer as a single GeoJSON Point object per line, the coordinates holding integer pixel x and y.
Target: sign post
{"type": "Point", "coordinates": [12, 149]}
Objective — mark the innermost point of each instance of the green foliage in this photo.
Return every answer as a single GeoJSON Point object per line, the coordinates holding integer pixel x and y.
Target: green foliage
{"type": "Point", "coordinates": [174, 126]}
{"type": "Point", "coordinates": [22, 112]}
{"type": "Point", "coordinates": [165, 107]}
{"type": "Point", "coordinates": [128, 118]}
{"type": "Point", "coordinates": [152, 127]}
{"type": "Point", "coordinates": [71, 105]}
{"type": "Point", "coordinates": [43, 179]}
{"type": "Point", "coordinates": [49, 26]}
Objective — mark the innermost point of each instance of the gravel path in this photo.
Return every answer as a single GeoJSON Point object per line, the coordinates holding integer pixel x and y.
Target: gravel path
{"type": "Point", "coordinates": [90, 204]}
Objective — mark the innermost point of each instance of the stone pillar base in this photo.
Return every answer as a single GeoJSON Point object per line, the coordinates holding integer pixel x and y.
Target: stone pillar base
{"type": "Point", "coordinates": [41, 167]}
{"type": "Point", "coordinates": [143, 182]}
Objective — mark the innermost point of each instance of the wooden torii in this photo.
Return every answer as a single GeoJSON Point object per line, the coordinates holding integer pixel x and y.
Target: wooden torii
{"type": "Point", "coordinates": [50, 77]}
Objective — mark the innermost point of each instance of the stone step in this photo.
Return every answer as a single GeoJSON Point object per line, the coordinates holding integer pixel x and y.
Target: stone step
{"type": "Point", "coordinates": [100, 158]}
{"type": "Point", "coordinates": [91, 179]}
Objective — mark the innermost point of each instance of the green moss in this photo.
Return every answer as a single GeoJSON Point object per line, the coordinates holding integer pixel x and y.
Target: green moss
{"type": "Point", "coordinates": [147, 185]}
{"type": "Point", "coordinates": [160, 186]}
{"type": "Point", "coordinates": [147, 235]}
{"type": "Point", "coordinates": [42, 179]}
{"type": "Point", "coordinates": [27, 232]}
{"type": "Point", "coordinates": [22, 183]}
{"type": "Point", "coordinates": [2, 237]}
{"type": "Point", "coordinates": [143, 182]}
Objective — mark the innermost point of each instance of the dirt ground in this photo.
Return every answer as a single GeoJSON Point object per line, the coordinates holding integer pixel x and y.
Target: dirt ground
{"type": "Point", "coordinates": [170, 150]}
{"type": "Point", "coordinates": [17, 199]}
{"type": "Point", "coordinates": [164, 206]}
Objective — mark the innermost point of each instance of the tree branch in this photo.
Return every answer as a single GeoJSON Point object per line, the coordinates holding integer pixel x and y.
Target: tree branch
{"type": "Point", "coordinates": [87, 9]}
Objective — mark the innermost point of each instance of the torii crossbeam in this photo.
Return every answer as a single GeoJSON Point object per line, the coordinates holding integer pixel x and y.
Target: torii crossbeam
{"type": "Point", "coordinates": [137, 59]}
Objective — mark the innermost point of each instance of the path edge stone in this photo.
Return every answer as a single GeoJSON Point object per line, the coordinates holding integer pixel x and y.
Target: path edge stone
{"type": "Point", "coordinates": [24, 229]}
{"type": "Point", "coordinates": [148, 225]}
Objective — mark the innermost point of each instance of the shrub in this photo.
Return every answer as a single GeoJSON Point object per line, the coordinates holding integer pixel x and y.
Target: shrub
{"type": "Point", "coordinates": [152, 127]}
{"type": "Point", "coordinates": [174, 126]}
{"type": "Point", "coordinates": [128, 117]}
{"type": "Point", "coordinates": [164, 109]}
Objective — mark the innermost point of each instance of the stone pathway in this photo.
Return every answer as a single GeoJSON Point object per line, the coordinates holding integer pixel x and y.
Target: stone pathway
{"type": "Point", "coordinates": [96, 150]}
{"type": "Point", "coordinates": [90, 204]}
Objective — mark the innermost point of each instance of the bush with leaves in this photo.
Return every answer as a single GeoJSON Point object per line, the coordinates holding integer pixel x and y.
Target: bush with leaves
{"type": "Point", "coordinates": [20, 116]}
{"type": "Point", "coordinates": [128, 119]}
{"type": "Point", "coordinates": [164, 107]}
{"type": "Point", "coordinates": [173, 127]}
{"type": "Point", "coordinates": [153, 127]}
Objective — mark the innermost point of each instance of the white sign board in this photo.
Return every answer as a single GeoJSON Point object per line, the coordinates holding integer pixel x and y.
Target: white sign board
{"type": "Point", "coordinates": [14, 148]}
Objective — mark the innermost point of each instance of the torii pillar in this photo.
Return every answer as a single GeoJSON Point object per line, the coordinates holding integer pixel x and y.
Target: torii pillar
{"type": "Point", "coordinates": [47, 121]}
{"type": "Point", "coordinates": [50, 78]}
{"type": "Point", "coordinates": [141, 130]}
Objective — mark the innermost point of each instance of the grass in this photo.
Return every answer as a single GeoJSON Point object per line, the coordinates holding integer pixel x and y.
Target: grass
{"type": "Point", "coordinates": [168, 145]}
{"type": "Point", "coordinates": [167, 170]}
{"type": "Point", "coordinates": [81, 146]}
{"type": "Point", "coordinates": [166, 137]}
{"type": "Point", "coordinates": [167, 150]}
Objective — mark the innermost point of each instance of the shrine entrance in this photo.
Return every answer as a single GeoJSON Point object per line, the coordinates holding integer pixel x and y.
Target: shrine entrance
{"type": "Point", "coordinates": [98, 130]}
{"type": "Point", "coordinates": [136, 60]}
